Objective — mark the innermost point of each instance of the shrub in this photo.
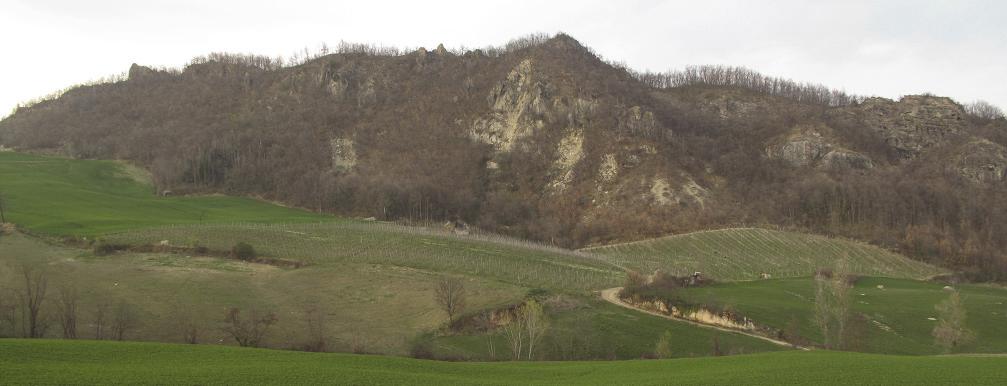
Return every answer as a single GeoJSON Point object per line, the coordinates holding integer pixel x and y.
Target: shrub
{"type": "Point", "coordinates": [104, 249]}
{"type": "Point", "coordinates": [243, 251]}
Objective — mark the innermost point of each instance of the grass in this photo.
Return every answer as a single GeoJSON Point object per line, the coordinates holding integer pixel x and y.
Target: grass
{"type": "Point", "coordinates": [510, 261]}
{"type": "Point", "coordinates": [595, 329]}
{"type": "Point", "coordinates": [60, 196]}
{"type": "Point", "coordinates": [376, 307]}
{"type": "Point", "coordinates": [744, 254]}
{"type": "Point", "coordinates": [91, 362]}
{"type": "Point", "coordinates": [898, 312]}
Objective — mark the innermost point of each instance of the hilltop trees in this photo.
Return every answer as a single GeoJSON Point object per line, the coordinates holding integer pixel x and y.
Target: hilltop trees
{"type": "Point", "coordinates": [950, 331]}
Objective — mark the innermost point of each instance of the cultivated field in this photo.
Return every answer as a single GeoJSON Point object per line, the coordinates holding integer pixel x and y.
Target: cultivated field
{"type": "Point", "coordinates": [74, 362]}
{"type": "Point", "coordinates": [897, 311]}
{"type": "Point", "coordinates": [745, 254]}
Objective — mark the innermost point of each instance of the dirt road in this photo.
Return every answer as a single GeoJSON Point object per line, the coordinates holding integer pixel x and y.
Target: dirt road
{"type": "Point", "coordinates": [611, 295]}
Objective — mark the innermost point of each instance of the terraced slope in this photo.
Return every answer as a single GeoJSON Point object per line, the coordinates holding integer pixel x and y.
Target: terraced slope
{"type": "Point", "coordinates": [73, 362]}
{"type": "Point", "coordinates": [746, 253]}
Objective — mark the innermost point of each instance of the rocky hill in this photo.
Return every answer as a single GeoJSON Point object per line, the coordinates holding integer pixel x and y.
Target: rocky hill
{"type": "Point", "coordinates": [545, 140]}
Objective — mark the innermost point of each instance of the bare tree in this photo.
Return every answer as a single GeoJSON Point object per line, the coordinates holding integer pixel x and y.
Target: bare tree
{"type": "Point", "coordinates": [984, 110]}
{"type": "Point", "coordinates": [3, 219]}
{"type": "Point", "coordinates": [248, 332]}
{"type": "Point", "coordinates": [950, 331]}
{"type": "Point", "coordinates": [535, 324]}
{"type": "Point", "coordinates": [317, 335]}
{"type": "Point", "coordinates": [67, 303]}
{"type": "Point", "coordinates": [125, 320]}
{"type": "Point", "coordinates": [832, 304]}
{"type": "Point", "coordinates": [663, 348]}
{"type": "Point", "coordinates": [514, 331]}
{"type": "Point", "coordinates": [31, 298]}
{"type": "Point", "coordinates": [8, 312]}
{"type": "Point", "coordinates": [450, 295]}
{"type": "Point", "coordinates": [188, 324]}
{"type": "Point", "coordinates": [101, 315]}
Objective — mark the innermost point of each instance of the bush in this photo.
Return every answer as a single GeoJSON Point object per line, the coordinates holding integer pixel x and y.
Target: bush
{"type": "Point", "coordinates": [104, 249]}
{"type": "Point", "coordinates": [243, 251]}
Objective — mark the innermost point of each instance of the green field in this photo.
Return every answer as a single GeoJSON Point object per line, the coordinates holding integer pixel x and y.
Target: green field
{"type": "Point", "coordinates": [746, 253]}
{"type": "Point", "coordinates": [88, 362]}
{"type": "Point", "coordinates": [897, 312]}
{"type": "Point", "coordinates": [506, 260]}
{"type": "Point", "coordinates": [60, 196]}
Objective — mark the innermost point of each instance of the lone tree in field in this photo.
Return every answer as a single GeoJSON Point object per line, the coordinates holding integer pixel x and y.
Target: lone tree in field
{"type": "Point", "coordinates": [832, 304]}
{"type": "Point", "coordinates": [450, 295]}
{"type": "Point", "coordinates": [31, 298]}
{"type": "Point", "coordinates": [950, 331]}
{"type": "Point", "coordinates": [3, 218]}
{"type": "Point", "coordinates": [250, 331]}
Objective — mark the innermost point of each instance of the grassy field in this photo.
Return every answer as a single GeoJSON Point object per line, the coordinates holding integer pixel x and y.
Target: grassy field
{"type": "Point", "coordinates": [744, 254]}
{"type": "Point", "coordinates": [85, 198]}
{"type": "Point", "coordinates": [595, 329]}
{"type": "Point", "coordinates": [506, 260]}
{"type": "Point", "coordinates": [897, 311]}
{"type": "Point", "coordinates": [89, 362]}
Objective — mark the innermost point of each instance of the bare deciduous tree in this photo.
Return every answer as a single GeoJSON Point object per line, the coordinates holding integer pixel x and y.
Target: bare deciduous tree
{"type": "Point", "coordinates": [101, 314]}
{"type": "Point", "coordinates": [535, 323]}
{"type": "Point", "coordinates": [317, 335]}
{"type": "Point", "coordinates": [663, 348]}
{"type": "Point", "coordinates": [528, 325]}
{"type": "Point", "coordinates": [8, 313]}
{"type": "Point", "coordinates": [188, 324]}
{"type": "Point", "coordinates": [31, 298]}
{"type": "Point", "coordinates": [67, 303]}
{"type": "Point", "coordinates": [125, 320]}
{"type": "Point", "coordinates": [950, 331]}
{"type": "Point", "coordinates": [832, 304]}
{"type": "Point", "coordinates": [248, 332]}
{"type": "Point", "coordinates": [450, 295]}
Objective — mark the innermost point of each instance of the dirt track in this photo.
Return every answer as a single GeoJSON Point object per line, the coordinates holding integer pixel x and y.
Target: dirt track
{"type": "Point", "coordinates": [611, 295]}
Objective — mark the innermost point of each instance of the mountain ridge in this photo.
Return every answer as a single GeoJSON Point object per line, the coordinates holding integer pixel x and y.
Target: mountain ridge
{"type": "Point", "coordinates": [547, 141]}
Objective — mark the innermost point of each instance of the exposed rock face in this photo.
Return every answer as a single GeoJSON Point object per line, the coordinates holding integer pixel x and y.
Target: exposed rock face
{"type": "Point", "coordinates": [981, 162]}
{"type": "Point", "coordinates": [570, 151]}
{"type": "Point", "coordinates": [845, 159]}
{"type": "Point", "coordinates": [806, 146]}
{"type": "Point", "coordinates": [344, 155]}
{"type": "Point", "coordinates": [518, 104]}
{"type": "Point", "coordinates": [914, 123]}
{"type": "Point", "coordinates": [137, 72]}
{"type": "Point", "coordinates": [687, 193]}
{"type": "Point", "coordinates": [609, 168]}
{"type": "Point", "coordinates": [636, 120]}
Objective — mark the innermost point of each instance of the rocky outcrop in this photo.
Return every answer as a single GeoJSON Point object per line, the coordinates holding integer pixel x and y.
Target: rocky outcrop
{"type": "Point", "coordinates": [344, 154]}
{"type": "Point", "coordinates": [569, 152]}
{"type": "Point", "coordinates": [807, 146]}
{"type": "Point", "coordinates": [915, 123]}
{"type": "Point", "coordinates": [518, 104]}
{"type": "Point", "coordinates": [981, 162]}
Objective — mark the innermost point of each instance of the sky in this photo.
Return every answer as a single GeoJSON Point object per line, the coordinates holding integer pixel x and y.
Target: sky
{"type": "Point", "coordinates": [873, 48]}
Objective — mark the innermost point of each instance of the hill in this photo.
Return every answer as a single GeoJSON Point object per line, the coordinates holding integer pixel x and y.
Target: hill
{"type": "Point", "coordinates": [67, 197]}
{"type": "Point", "coordinates": [34, 362]}
{"type": "Point", "coordinates": [544, 140]}
{"type": "Point", "coordinates": [747, 253]}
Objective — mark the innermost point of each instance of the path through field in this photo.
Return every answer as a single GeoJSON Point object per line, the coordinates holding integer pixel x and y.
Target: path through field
{"type": "Point", "coordinates": [611, 295]}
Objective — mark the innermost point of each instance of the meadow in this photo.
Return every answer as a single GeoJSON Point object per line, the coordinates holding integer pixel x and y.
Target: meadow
{"type": "Point", "coordinates": [58, 196]}
{"type": "Point", "coordinates": [75, 362]}
{"type": "Point", "coordinates": [897, 311]}
{"type": "Point", "coordinates": [747, 253]}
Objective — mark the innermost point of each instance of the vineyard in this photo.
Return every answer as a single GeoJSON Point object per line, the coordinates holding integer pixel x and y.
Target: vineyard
{"type": "Point", "coordinates": [507, 260]}
{"type": "Point", "coordinates": [747, 253]}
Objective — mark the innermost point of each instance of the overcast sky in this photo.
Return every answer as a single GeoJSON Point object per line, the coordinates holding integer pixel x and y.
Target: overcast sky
{"type": "Point", "coordinates": [885, 48]}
